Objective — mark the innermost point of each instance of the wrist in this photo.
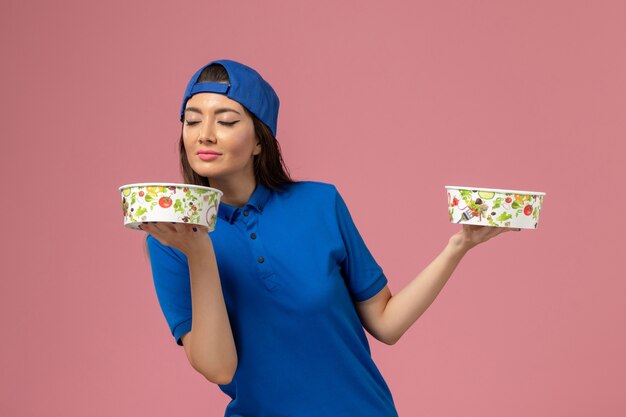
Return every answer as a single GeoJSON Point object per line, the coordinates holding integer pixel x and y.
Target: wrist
{"type": "Point", "coordinates": [200, 251]}
{"type": "Point", "coordinates": [458, 245]}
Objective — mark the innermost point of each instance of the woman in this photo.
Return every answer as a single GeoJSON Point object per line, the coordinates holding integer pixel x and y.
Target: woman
{"type": "Point", "coordinates": [273, 303]}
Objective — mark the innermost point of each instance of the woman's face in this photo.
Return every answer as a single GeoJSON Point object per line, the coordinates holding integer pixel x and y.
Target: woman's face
{"type": "Point", "coordinates": [216, 123]}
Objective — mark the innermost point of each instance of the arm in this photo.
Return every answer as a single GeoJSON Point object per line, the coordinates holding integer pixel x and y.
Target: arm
{"type": "Point", "coordinates": [210, 345]}
{"type": "Point", "coordinates": [187, 283]}
{"type": "Point", "coordinates": [388, 317]}
{"type": "Point", "coordinates": [404, 308]}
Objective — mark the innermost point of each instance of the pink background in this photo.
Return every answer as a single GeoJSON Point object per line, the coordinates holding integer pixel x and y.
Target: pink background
{"type": "Point", "coordinates": [387, 100]}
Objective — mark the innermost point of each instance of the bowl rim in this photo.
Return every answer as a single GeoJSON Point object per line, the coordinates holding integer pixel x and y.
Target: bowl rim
{"type": "Point", "coordinates": [179, 185]}
{"type": "Point", "coordinates": [498, 190]}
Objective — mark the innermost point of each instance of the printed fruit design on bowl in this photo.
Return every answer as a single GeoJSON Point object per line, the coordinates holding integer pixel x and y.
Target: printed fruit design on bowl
{"type": "Point", "coordinates": [148, 198]}
{"type": "Point", "coordinates": [170, 203]}
{"type": "Point", "coordinates": [498, 211]}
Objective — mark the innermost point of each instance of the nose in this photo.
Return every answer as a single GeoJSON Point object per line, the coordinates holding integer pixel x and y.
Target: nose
{"type": "Point", "coordinates": [207, 132]}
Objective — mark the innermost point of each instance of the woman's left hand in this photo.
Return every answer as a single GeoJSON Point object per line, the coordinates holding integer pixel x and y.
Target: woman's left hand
{"type": "Point", "coordinates": [472, 235]}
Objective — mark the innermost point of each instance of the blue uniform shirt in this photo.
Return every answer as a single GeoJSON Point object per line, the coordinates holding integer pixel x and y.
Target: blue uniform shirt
{"type": "Point", "coordinates": [291, 264]}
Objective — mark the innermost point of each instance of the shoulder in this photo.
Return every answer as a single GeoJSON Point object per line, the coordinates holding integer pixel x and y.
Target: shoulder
{"type": "Point", "coordinates": [311, 189]}
{"type": "Point", "coordinates": [308, 195]}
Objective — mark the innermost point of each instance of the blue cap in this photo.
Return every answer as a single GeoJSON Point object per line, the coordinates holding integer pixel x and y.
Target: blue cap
{"type": "Point", "coordinates": [246, 87]}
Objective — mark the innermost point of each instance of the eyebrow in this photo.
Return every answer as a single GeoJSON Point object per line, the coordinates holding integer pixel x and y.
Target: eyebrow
{"type": "Point", "coordinates": [217, 111]}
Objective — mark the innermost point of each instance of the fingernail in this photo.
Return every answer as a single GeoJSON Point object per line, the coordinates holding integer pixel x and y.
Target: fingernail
{"type": "Point", "coordinates": [194, 229]}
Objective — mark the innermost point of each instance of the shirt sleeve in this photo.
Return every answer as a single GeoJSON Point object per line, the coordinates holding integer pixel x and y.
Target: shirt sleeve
{"type": "Point", "coordinates": [364, 277]}
{"type": "Point", "coordinates": [170, 273]}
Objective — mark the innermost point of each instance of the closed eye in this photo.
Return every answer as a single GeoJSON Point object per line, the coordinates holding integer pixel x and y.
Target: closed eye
{"type": "Point", "coordinates": [188, 123]}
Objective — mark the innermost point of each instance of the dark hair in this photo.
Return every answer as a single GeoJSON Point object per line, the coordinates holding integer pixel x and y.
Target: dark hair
{"type": "Point", "coordinates": [269, 167]}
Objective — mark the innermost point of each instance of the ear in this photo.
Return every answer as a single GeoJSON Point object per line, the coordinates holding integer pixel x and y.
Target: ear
{"type": "Point", "coordinates": [257, 148]}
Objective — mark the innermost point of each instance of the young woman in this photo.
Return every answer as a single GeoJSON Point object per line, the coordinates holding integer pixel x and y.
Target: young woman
{"type": "Point", "coordinates": [272, 304]}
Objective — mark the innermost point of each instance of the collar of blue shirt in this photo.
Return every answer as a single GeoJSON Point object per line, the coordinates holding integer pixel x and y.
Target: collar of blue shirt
{"type": "Point", "coordinates": [257, 200]}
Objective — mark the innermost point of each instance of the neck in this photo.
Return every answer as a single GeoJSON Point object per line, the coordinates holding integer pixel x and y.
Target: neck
{"type": "Point", "coordinates": [236, 193]}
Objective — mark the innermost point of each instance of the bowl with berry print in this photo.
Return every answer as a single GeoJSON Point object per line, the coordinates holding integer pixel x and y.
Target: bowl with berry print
{"type": "Point", "coordinates": [494, 207]}
{"type": "Point", "coordinates": [168, 202]}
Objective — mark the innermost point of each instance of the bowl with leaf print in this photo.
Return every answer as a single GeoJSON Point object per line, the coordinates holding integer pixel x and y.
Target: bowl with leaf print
{"type": "Point", "coordinates": [168, 202]}
{"type": "Point", "coordinates": [494, 207]}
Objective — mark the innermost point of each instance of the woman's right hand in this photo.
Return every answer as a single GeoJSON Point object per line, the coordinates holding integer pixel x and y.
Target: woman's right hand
{"type": "Point", "coordinates": [190, 239]}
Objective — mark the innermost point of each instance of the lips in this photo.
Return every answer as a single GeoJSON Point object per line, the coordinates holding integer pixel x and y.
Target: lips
{"type": "Point", "coordinates": [208, 156]}
{"type": "Point", "coordinates": [207, 152]}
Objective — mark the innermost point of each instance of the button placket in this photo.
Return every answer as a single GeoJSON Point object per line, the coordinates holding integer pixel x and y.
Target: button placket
{"type": "Point", "coordinates": [251, 219]}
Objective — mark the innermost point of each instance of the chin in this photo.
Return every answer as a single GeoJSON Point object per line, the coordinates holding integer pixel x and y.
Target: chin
{"type": "Point", "coordinates": [202, 167]}
{"type": "Point", "coordinates": [208, 172]}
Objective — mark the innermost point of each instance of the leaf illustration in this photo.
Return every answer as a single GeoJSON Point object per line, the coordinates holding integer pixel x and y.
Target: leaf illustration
{"type": "Point", "coordinates": [503, 217]}
{"type": "Point", "coordinates": [178, 207]}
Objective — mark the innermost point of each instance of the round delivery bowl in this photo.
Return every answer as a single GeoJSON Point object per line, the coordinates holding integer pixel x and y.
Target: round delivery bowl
{"type": "Point", "coordinates": [494, 207]}
{"type": "Point", "coordinates": [169, 202]}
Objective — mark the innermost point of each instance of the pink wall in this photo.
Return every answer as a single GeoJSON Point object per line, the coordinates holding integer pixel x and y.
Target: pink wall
{"type": "Point", "coordinates": [388, 99]}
